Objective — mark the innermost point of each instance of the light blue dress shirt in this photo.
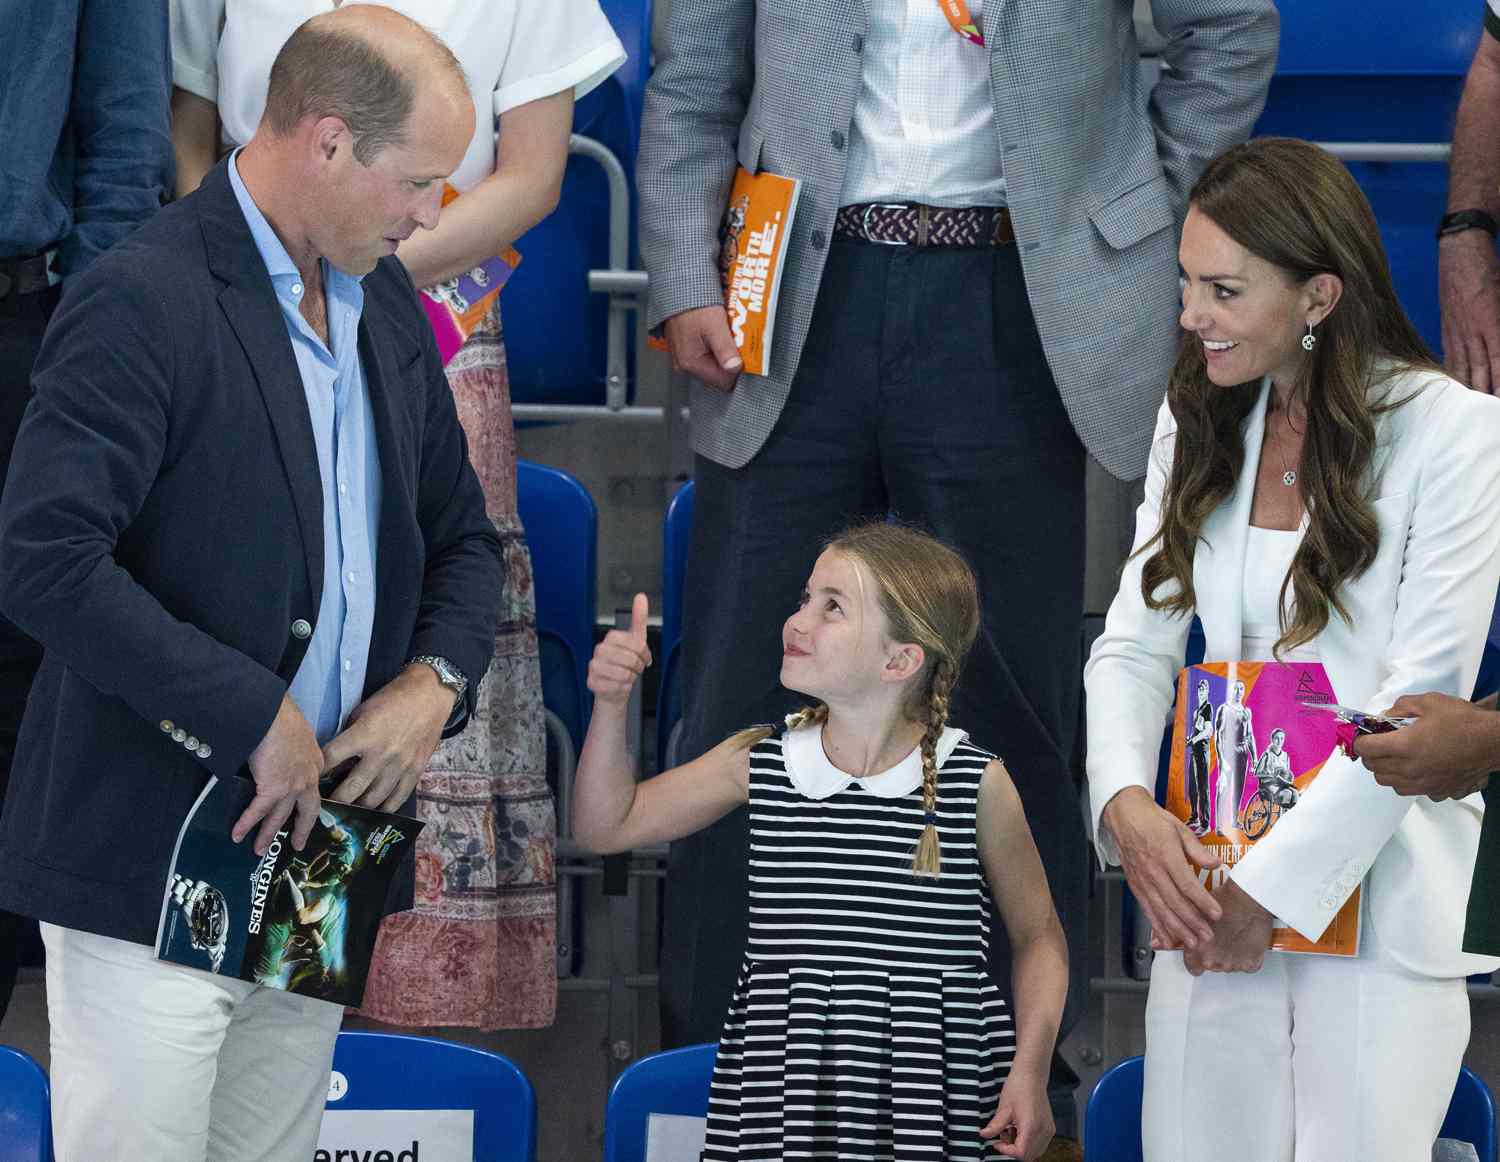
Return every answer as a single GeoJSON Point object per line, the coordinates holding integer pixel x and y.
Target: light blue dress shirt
{"type": "Point", "coordinates": [331, 680]}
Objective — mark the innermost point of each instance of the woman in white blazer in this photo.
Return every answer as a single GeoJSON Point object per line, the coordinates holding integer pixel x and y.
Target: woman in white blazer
{"type": "Point", "coordinates": [1318, 490]}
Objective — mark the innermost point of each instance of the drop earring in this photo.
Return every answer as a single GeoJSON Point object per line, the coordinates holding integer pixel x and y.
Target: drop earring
{"type": "Point", "coordinates": [1309, 340]}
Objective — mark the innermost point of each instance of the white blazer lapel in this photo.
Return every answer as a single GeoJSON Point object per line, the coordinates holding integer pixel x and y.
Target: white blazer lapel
{"type": "Point", "coordinates": [1219, 559]}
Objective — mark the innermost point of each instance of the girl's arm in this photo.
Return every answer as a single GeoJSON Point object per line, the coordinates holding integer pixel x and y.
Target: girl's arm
{"type": "Point", "coordinates": [195, 138]}
{"type": "Point", "coordinates": [524, 189]}
{"type": "Point", "coordinates": [1039, 962]}
{"type": "Point", "coordinates": [611, 811]}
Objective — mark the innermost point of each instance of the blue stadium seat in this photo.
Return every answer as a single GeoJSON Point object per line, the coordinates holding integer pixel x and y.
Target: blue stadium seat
{"type": "Point", "coordinates": [25, 1109]}
{"type": "Point", "coordinates": [1112, 1122]}
{"type": "Point", "coordinates": [674, 1082]}
{"type": "Point", "coordinates": [388, 1071]}
{"type": "Point", "coordinates": [1351, 74]}
{"type": "Point", "coordinates": [555, 327]}
{"type": "Point", "coordinates": [1471, 1115]}
{"type": "Point", "coordinates": [675, 535]}
{"type": "Point", "coordinates": [561, 523]}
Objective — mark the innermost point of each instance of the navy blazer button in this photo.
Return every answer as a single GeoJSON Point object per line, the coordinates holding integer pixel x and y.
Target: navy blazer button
{"type": "Point", "coordinates": [301, 628]}
{"type": "Point", "coordinates": [205, 751]}
{"type": "Point", "coordinates": [166, 726]}
{"type": "Point", "coordinates": [190, 742]}
{"type": "Point", "coordinates": [179, 735]}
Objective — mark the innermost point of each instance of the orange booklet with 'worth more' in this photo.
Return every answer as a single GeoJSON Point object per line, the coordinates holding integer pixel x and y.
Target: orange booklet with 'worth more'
{"type": "Point", "coordinates": [752, 255]}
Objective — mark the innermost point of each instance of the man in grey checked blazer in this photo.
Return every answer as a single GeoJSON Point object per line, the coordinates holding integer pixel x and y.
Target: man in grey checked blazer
{"type": "Point", "coordinates": [959, 387]}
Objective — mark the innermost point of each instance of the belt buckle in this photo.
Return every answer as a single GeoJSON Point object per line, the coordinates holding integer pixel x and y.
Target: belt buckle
{"type": "Point", "coordinates": [864, 222]}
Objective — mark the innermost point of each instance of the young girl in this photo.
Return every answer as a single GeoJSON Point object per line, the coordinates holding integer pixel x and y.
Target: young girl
{"type": "Point", "coordinates": [864, 1024]}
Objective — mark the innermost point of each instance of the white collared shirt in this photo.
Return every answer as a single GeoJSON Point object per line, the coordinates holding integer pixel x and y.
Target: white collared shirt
{"type": "Point", "coordinates": [814, 775]}
{"type": "Point", "coordinates": [924, 122]}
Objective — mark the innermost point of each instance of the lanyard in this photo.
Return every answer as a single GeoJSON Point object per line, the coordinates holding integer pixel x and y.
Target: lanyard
{"type": "Point", "coordinates": [957, 12]}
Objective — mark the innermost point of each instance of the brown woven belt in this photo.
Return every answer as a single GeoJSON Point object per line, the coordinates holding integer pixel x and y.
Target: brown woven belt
{"type": "Point", "coordinates": [896, 224]}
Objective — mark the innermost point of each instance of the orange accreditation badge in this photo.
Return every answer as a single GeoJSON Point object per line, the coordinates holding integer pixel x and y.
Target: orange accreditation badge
{"type": "Point", "coordinates": [957, 12]}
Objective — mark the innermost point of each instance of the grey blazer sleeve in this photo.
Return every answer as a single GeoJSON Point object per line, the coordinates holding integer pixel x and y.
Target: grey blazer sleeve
{"type": "Point", "coordinates": [695, 104]}
{"type": "Point", "coordinates": [1219, 58]}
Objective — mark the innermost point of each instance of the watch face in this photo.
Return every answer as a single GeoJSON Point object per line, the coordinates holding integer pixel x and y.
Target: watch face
{"type": "Point", "coordinates": [207, 914]}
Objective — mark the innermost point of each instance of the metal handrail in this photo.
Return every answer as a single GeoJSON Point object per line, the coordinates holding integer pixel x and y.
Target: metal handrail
{"type": "Point", "coordinates": [626, 289]}
{"type": "Point", "coordinates": [1409, 152]}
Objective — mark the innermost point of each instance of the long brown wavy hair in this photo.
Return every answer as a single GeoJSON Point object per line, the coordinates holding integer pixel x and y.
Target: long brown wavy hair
{"type": "Point", "coordinates": [1295, 206]}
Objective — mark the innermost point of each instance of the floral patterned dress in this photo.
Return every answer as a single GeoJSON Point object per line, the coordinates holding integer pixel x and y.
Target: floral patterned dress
{"type": "Point", "coordinates": [479, 948]}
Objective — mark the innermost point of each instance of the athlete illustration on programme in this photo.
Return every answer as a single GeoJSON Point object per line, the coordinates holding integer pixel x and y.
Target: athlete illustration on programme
{"type": "Point", "coordinates": [1199, 758]}
{"type": "Point", "coordinates": [304, 936]}
{"type": "Point", "coordinates": [1234, 737]}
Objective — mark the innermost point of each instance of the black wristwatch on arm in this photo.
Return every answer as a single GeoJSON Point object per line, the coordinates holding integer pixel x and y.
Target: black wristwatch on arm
{"type": "Point", "coordinates": [1461, 220]}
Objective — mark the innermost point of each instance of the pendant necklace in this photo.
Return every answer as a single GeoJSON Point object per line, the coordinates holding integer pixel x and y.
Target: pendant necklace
{"type": "Point", "coordinates": [1289, 476]}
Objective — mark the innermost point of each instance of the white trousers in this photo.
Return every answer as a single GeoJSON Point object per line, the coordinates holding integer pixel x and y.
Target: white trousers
{"type": "Point", "coordinates": [155, 1062]}
{"type": "Point", "coordinates": [1311, 1059]}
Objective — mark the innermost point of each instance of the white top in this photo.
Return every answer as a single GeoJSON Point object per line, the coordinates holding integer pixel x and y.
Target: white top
{"type": "Point", "coordinates": [813, 774]}
{"type": "Point", "coordinates": [924, 123]}
{"type": "Point", "coordinates": [1268, 558]}
{"type": "Point", "coordinates": [513, 51]}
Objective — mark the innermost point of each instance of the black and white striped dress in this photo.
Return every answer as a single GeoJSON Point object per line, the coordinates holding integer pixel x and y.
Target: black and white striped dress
{"type": "Point", "coordinates": [864, 1024]}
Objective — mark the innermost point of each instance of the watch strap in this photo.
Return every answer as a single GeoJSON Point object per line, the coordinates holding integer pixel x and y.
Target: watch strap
{"type": "Point", "coordinates": [1461, 220]}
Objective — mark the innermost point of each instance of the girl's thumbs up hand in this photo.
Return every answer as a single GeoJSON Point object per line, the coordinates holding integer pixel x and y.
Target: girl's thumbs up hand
{"type": "Point", "coordinates": [622, 657]}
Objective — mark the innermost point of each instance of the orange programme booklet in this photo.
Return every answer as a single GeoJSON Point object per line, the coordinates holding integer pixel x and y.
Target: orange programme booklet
{"type": "Point", "coordinates": [757, 223]}
{"type": "Point", "coordinates": [457, 305]}
{"type": "Point", "coordinates": [1248, 738]}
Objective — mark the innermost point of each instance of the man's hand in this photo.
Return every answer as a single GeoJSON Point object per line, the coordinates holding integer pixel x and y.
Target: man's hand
{"type": "Point", "coordinates": [1469, 291]}
{"type": "Point", "coordinates": [286, 764]}
{"type": "Point", "coordinates": [702, 346]}
{"type": "Point", "coordinates": [392, 734]}
{"type": "Point", "coordinates": [1156, 849]}
{"type": "Point", "coordinates": [1022, 1126]}
{"type": "Point", "coordinates": [1447, 753]}
{"type": "Point", "coordinates": [1240, 938]}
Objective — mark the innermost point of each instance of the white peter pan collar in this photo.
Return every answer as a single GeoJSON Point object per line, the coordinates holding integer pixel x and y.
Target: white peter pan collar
{"type": "Point", "coordinates": [815, 776]}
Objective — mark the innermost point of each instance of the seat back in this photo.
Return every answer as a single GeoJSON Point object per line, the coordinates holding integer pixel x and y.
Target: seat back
{"type": "Point", "coordinates": [25, 1109]}
{"type": "Point", "coordinates": [1471, 1115]}
{"type": "Point", "coordinates": [388, 1071]}
{"type": "Point", "coordinates": [1346, 74]}
{"type": "Point", "coordinates": [676, 532]}
{"type": "Point", "coordinates": [562, 531]}
{"type": "Point", "coordinates": [555, 327]}
{"type": "Point", "coordinates": [674, 1082]}
{"type": "Point", "coordinates": [1112, 1119]}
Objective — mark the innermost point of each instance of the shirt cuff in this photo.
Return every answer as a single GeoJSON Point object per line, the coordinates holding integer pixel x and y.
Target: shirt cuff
{"type": "Point", "coordinates": [195, 80]}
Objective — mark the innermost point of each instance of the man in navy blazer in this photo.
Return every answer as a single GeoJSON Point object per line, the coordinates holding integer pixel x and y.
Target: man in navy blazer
{"type": "Point", "coordinates": [241, 520]}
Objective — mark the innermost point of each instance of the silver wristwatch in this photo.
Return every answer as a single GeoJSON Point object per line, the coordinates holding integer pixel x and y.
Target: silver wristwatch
{"type": "Point", "coordinates": [207, 913]}
{"type": "Point", "coordinates": [448, 674]}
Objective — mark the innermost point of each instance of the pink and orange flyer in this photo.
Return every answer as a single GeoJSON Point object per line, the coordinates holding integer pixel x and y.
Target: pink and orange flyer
{"type": "Point", "coordinates": [1248, 739]}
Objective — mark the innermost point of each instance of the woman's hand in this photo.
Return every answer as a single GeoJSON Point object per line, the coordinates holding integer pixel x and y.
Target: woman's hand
{"type": "Point", "coordinates": [1022, 1125]}
{"type": "Point", "coordinates": [621, 658]}
{"type": "Point", "coordinates": [1159, 853]}
{"type": "Point", "coordinates": [1240, 939]}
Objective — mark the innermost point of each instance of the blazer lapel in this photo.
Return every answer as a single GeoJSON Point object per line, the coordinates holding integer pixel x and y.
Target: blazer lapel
{"type": "Point", "coordinates": [249, 303]}
{"type": "Point", "coordinates": [1219, 559]}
